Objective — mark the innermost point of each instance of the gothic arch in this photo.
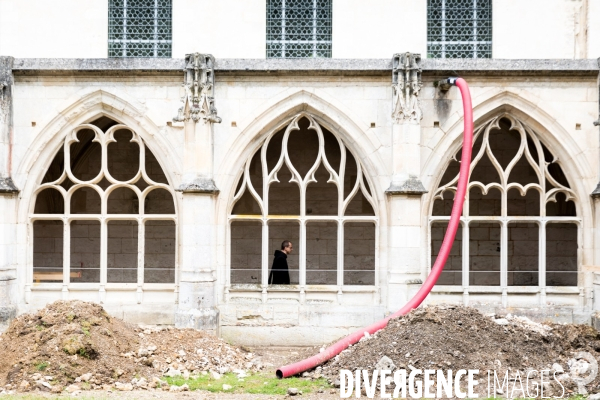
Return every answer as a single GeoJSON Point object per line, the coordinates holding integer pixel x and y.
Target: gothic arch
{"type": "Point", "coordinates": [550, 134]}
{"type": "Point", "coordinates": [528, 111]}
{"type": "Point", "coordinates": [275, 114]}
{"type": "Point", "coordinates": [278, 112]}
{"type": "Point", "coordinates": [81, 108]}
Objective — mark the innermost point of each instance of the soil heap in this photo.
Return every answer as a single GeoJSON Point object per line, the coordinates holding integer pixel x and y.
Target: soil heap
{"type": "Point", "coordinates": [76, 342]}
{"type": "Point", "coordinates": [456, 337]}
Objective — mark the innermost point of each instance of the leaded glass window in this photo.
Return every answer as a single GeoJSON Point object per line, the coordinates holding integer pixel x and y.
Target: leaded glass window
{"type": "Point", "coordinates": [139, 28]}
{"type": "Point", "coordinates": [459, 28]}
{"type": "Point", "coordinates": [298, 28]}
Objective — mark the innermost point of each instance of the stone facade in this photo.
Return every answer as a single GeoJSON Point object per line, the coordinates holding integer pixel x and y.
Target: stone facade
{"type": "Point", "coordinates": [170, 249]}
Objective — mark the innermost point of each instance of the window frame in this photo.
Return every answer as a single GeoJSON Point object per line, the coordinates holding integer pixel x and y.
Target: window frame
{"type": "Point", "coordinates": [104, 139]}
{"type": "Point", "coordinates": [504, 220]}
{"type": "Point", "coordinates": [443, 42]}
{"type": "Point", "coordinates": [302, 287]}
{"type": "Point", "coordinates": [121, 37]}
{"type": "Point", "coordinates": [283, 42]}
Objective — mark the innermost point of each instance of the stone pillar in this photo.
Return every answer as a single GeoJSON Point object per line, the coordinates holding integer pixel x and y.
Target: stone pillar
{"type": "Point", "coordinates": [596, 199]}
{"type": "Point", "coordinates": [197, 277]}
{"type": "Point", "coordinates": [8, 199]}
{"type": "Point", "coordinates": [406, 188]}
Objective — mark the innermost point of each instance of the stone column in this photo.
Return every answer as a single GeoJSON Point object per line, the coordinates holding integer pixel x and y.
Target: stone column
{"type": "Point", "coordinates": [8, 199]}
{"type": "Point", "coordinates": [197, 229]}
{"type": "Point", "coordinates": [406, 188]}
{"type": "Point", "coordinates": [596, 198]}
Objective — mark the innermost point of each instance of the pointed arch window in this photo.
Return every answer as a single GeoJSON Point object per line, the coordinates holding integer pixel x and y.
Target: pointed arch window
{"type": "Point", "coordinates": [304, 185]}
{"type": "Point", "coordinates": [519, 229]}
{"type": "Point", "coordinates": [104, 214]}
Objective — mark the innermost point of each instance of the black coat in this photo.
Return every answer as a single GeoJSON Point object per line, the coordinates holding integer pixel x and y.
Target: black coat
{"type": "Point", "coordinates": [279, 271]}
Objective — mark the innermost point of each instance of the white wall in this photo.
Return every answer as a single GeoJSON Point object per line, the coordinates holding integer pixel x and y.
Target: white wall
{"type": "Point", "coordinates": [223, 28]}
{"type": "Point", "coordinates": [534, 28]}
{"type": "Point", "coordinates": [237, 28]}
{"type": "Point", "coordinates": [54, 29]}
{"type": "Point", "coordinates": [379, 28]}
{"type": "Point", "coordinates": [593, 33]}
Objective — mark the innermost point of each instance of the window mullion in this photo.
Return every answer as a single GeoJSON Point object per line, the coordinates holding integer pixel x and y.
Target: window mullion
{"type": "Point", "coordinates": [66, 258]}
{"type": "Point", "coordinates": [124, 28]}
{"type": "Point", "coordinates": [443, 28]}
{"type": "Point", "coordinates": [314, 23]}
{"type": "Point", "coordinates": [542, 262]}
{"type": "Point", "coordinates": [155, 44]}
{"type": "Point", "coordinates": [465, 262]}
{"type": "Point", "coordinates": [141, 254]}
{"type": "Point", "coordinates": [504, 260]}
{"type": "Point", "coordinates": [302, 266]}
{"type": "Point", "coordinates": [283, 28]}
{"type": "Point", "coordinates": [103, 258]}
{"type": "Point", "coordinates": [265, 259]}
{"type": "Point", "coordinates": [474, 28]}
{"type": "Point", "coordinates": [340, 255]}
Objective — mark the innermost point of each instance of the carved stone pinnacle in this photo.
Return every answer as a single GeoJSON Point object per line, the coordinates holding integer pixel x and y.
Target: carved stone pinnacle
{"type": "Point", "coordinates": [198, 90]}
{"type": "Point", "coordinates": [406, 84]}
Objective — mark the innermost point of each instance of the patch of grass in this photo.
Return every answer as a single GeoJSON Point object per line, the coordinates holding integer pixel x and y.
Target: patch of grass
{"type": "Point", "coordinates": [85, 327]}
{"type": "Point", "coordinates": [254, 384]}
{"type": "Point", "coordinates": [40, 366]}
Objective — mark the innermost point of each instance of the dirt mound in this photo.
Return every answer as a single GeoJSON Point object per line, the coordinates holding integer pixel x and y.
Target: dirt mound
{"type": "Point", "coordinates": [449, 337]}
{"type": "Point", "coordinates": [76, 342]}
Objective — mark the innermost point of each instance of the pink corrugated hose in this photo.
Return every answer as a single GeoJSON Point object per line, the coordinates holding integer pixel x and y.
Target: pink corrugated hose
{"type": "Point", "coordinates": [436, 270]}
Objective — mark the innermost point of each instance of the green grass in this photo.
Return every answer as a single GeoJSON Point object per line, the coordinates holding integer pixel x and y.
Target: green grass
{"type": "Point", "coordinates": [253, 384]}
{"type": "Point", "coordinates": [40, 366]}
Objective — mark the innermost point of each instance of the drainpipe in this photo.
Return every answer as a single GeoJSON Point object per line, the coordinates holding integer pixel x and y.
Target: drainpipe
{"type": "Point", "coordinates": [436, 270]}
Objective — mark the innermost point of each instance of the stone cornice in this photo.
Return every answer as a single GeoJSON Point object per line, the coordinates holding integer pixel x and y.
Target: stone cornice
{"type": "Point", "coordinates": [323, 65]}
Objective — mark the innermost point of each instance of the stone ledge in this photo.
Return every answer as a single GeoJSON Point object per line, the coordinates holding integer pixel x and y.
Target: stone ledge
{"type": "Point", "coordinates": [7, 186]}
{"type": "Point", "coordinates": [199, 185]}
{"type": "Point", "coordinates": [446, 66]}
{"type": "Point", "coordinates": [596, 192]}
{"type": "Point", "coordinates": [411, 186]}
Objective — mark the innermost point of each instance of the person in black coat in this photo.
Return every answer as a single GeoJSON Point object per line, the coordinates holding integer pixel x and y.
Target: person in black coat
{"type": "Point", "coordinates": [279, 271]}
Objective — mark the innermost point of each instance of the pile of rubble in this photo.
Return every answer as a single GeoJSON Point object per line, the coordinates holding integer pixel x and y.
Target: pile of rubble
{"type": "Point", "coordinates": [76, 345]}
{"type": "Point", "coordinates": [455, 337]}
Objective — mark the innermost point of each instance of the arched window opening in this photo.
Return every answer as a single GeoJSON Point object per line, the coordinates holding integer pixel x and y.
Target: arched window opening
{"type": "Point", "coordinates": [304, 185]}
{"type": "Point", "coordinates": [104, 213]}
{"type": "Point", "coordinates": [519, 226]}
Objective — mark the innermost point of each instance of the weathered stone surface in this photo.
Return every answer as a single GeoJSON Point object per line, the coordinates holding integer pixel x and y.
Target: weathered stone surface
{"type": "Point", "coordinates": [8, 186]}
{"type": "Point", "coordinates": [596, 192]}
{"type": "Point", "coordinates": [410, 186]}
{"type": "Point", "coordinates": [205, 319]}
{"type": "Point", "coordinates": [200, 185]}
{"type": "Point", "coordinates": [578, 66]}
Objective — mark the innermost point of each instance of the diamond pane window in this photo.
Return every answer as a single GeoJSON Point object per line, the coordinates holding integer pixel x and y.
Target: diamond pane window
{"type": "Point", "coordinates": [298, 28]}
{"type": "Point", "coordinates": [139, 28]}
{"type": "Point", "coordinates": [459, 28]}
